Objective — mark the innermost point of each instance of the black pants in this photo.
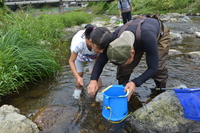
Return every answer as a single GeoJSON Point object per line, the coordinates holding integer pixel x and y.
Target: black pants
{"type": "Point", "coordinates": [126, 16]}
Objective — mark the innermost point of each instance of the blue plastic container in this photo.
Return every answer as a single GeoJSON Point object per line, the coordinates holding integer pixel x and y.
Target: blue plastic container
{"type": "Point", "coordinates": [115, 103]}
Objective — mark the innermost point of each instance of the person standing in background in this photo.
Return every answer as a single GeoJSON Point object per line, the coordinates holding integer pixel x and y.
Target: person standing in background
{"type": "Point", "coordinates": [125, 7]}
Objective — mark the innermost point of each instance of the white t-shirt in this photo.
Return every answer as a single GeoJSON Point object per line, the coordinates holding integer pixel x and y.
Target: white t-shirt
{"type": "Point", "coordinates": [78, 45]}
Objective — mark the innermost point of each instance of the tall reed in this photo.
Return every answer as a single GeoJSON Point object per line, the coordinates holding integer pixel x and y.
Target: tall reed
{"type": "Point", "coordinates": [29, 46]}
{"type": "Point", "coordinates": [21, 62]}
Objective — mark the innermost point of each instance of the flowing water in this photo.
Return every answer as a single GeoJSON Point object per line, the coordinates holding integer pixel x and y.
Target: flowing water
{"type": "Point", "coordinates": [87, 112]}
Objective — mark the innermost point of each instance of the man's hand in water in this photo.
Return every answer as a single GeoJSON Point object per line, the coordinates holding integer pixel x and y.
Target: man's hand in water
{"type": "Point", "coordinates": [92, 87]}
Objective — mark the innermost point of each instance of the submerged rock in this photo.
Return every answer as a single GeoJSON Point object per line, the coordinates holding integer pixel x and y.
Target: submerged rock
{"type": "Point", "coordinates": [52, 117]}
{"type": "Point", "coordinates": [194, 54]}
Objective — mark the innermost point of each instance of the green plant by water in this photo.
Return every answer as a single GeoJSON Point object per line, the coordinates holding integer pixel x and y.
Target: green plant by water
{"type": "Point", "coordinates": [29, 46]}
{"type": "Point", "coordinates": [149, 7]}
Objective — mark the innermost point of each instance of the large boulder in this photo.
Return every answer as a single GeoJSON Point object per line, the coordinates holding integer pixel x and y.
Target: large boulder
{"type": "Point", "coordinates": [163, 114]}
{"type": "Point", "coordinates": [13, 122]}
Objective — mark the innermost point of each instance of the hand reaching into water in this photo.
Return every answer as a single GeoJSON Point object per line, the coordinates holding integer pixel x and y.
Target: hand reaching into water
{"type": "Point", "coordinates": [79, 81]}
{"type": "Point", "coordinates": [92, 87]}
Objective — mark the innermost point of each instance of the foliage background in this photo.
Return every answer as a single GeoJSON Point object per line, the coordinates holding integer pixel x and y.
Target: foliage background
{"type": "Point", "coordinates": [150, 6]}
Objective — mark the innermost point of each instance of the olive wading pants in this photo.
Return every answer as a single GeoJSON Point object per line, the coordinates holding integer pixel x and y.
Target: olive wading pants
{"type": "Point", "coordinates": [160, 79]}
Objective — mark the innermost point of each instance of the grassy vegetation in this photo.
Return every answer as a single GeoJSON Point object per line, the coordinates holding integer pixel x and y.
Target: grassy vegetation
{"type": "Point", "coordinates": [150, 6]}
{"type": "Point", "coordinates": [21, 63]}
{"type": "Point", "coordinates": [28, 46]}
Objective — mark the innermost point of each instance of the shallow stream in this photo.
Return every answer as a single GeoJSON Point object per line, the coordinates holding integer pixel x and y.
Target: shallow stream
{"type": "Point", "coordinates": [87, 112]}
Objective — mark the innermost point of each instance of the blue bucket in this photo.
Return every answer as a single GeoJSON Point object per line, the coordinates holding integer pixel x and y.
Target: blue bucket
{"type": "Point", "coordinates": [115, 103]}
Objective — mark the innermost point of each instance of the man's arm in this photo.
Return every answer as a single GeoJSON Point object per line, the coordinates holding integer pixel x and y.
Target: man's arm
{"type": "Point", "coordinates": [97, 70]}
{"type": "Point", "coordinates": [99, 65]}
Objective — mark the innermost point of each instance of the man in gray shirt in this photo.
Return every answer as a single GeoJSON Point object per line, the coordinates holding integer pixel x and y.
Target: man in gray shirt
{"type": "Point", "coordinates": [125, 7]}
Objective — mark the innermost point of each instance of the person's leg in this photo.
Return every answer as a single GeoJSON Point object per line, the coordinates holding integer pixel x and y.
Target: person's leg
{"type": "Point", "coordinates": [129, 16]}
{"type": "Point", "coordinates": [79, 69]}
{"type": "Point", "coordinates": [161, 77]}
{"type": "Point", "coordinates": [78, 90]}
{"type": "Point", "coordinates": [124, 72]}
{"type": "Point", "coordinates": [124, 17]}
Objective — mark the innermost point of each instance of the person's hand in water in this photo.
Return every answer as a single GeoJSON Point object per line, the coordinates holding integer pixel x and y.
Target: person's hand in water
{"type": "Point", "coordinates": [79, 81]}
{"type": "Point", "coordinates": [92, 87]}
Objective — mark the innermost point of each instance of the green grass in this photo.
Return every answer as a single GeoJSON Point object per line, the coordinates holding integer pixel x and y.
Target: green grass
{"type": "Point", "coordinates": [149, 7]}
{"type": "Point", "coordinates": [21, 62]}
{"type": "Point", "coordinates": [29, 46]}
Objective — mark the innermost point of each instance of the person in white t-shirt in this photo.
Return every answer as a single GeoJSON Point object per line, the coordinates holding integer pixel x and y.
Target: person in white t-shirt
{"type": "Point", "coordinates": [81, 52]}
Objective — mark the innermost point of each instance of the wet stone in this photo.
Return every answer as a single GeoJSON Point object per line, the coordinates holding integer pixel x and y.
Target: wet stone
{"type": "Point", "coordinates": [51, 117]}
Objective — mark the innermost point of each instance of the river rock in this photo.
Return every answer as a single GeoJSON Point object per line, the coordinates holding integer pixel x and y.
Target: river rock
{"type": "Point", "coordinates": [13, 122]}
{"type": "Point", "coordinates": [113, 19]}
{"type": "Point", "coordinates": [164, 114]}
{"type": "Point", "coordinates": [194, 54]}
{"type": "Point", "coordinates": [173, 20]}
{"type": "Point", "coordinates": [50, 118]}
{"type": "Point", "coordinates": [173, 52]}
{"type": "Point", "coordinates": [174, 15]}
{"type": "Point", "coordinates": [188, 35]}
{"type": "Point", "coordinates": [197, 34]}
{"type": "Point", "coordinates": [165, 19]}
{"type": "Point", "coordinates": [192, 30]}
{"type": "Point", "coordinates": [185, 19]}
{"type": "Point", "coordinates": [175, 36]}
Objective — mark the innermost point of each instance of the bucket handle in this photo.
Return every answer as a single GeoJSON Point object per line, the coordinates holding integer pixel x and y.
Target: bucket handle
{"type": "Point", "coordinates": [107, 88]}
{"type": "Point", "coordinates": [107, 97]}
{"type": "Point", "coordinates": [127, 93]}
{"type": "Point", "coordinates": [111, 116]}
